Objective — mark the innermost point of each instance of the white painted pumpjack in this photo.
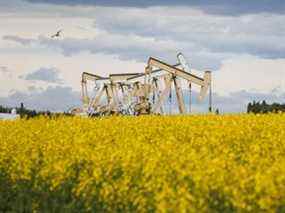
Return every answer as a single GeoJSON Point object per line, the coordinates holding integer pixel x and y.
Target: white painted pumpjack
{"type": "Point", "coordinates": [142, 93]}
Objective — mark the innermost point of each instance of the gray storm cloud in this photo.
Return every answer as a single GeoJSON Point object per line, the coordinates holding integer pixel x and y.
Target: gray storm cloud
{"type": "Point", "coordinates": [53, 98]}
{"type": "Point", "coordinates": [226, 7]}
{"type": "Point", "coordinates": [136, 34]}
{"type": "Point", "coordinates": [49, 75]}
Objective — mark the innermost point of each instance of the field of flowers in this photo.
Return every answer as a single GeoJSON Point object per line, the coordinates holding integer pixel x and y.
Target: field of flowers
{"type": "Point", "coordinates": [202, 163]}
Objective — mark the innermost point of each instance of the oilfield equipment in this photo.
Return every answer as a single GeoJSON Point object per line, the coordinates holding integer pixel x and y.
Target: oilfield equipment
{"type": "Point", "coordinates": [143, 93]}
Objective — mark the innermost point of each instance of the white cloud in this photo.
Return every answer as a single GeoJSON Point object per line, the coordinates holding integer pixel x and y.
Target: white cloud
{"type": "Point", "coordinates": [69, 68]}
{"type": "Point", "coordinates": [251, 74]}
{"type": "Point", "coordinates": [124, 47]}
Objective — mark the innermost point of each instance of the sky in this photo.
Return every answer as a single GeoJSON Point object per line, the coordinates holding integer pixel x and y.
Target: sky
{"type": "Point", "coordinates": [241, 42]}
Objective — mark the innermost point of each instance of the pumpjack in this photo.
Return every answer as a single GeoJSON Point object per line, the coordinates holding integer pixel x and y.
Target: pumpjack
{"type": "Point", "coordinates": [143, 93]}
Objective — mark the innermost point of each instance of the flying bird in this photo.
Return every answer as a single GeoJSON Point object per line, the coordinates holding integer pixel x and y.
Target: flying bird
{"type": "Point", "coordinates": [58, 33]}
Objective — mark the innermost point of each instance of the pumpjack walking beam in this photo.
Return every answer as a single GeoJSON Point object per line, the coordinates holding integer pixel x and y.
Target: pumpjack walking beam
{"type": "Point", "coordinates": [203, 82]}
{"type": "Point", "coordinates": [175, 72]}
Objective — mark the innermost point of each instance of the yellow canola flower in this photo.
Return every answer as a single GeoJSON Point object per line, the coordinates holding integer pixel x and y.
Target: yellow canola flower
{"type": "Point", "coordinates": [199, 163]}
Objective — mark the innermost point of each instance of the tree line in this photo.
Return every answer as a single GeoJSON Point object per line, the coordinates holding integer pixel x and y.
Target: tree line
{"type": "Point", "coordinates": [263, 107]}
{"type": "Point", "coordinates": [28, 113]}
{"type": "Point", "coordinates": [252, 107]}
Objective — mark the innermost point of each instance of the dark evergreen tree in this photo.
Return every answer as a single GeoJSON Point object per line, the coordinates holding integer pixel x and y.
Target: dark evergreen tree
{"type": "Point", "coordinates": [263, 107]}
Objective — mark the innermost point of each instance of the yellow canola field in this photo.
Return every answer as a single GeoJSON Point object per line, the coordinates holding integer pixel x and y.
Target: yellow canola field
{"type": "Point", "coordinates": [202, 163]}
